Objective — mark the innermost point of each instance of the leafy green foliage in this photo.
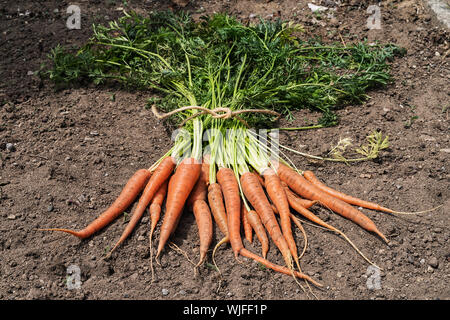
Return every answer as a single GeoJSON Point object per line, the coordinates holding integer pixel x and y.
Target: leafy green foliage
{"type": "Point", "coordinates": [219, 62]}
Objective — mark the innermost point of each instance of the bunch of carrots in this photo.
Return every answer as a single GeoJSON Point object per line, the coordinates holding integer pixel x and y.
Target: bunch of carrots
{"type": "Point", "coordinates": [216, 78]}
{"type": "Point", "coordinates": [234, 183]}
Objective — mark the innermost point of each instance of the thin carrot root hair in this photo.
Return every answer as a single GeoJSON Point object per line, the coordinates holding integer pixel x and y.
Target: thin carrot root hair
{"type": "Point", "coordinates": [176, 248]}
{"type": "Point", "coordinates": [299, 225]}
{"type": "Point", "coordinates": [415, 212]}
{"type": "Point", "coordinates": [224, 240]}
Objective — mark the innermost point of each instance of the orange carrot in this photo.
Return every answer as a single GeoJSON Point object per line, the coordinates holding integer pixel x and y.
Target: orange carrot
{"type": "Point", "coordinates": [180, 186]}
{"type": "Point", "coordinates": [161, 174]}
{"type": "Point", "coordinates": [278, 196]}
{"type": "Point", "coordinates": [304, 188]}
{"type": "Point", "coordinates": [260, 232]}
{"type": "Point", "coordinates": [215, 201]}
{"type": "Point", "coordinates": [200, 190]}
{"type": "Point", "coordinates": [254, 192]}
{"type": "Point", "coordinates": [248, 231]}
{"type": "Point", "coordinates": [203, 218]}
{"type": "Point", "coordinates": [297, 206]}
{"type": "Point", "coordinates": [155, 213]}
{"type": "Point", "coordinates": [305, 203]}
{"type": "Point", "coordinates": [156, 204]}
{"type": "Point", "coordinates": [230, 190]}
{"type": "Point", "coordinates": [129, 193]}
{"type": "Point", "coordinates": [309, 175]}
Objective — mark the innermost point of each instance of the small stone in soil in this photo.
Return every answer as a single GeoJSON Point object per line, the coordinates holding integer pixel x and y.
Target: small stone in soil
{"type": "Point", "coordinates": [165, 292]}
{"type": "Point", "coordinates": [10, 147]}
{"type": "Point", "coordinates": [433, 262]}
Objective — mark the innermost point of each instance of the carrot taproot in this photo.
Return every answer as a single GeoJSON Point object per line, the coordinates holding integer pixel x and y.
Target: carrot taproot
{"type": "Point", "coordinates": [230, 190]}
{"type": "Point", "coordinates": [260, 232]}
{"type": "Point", "coordinates": [200, 190]}
{"type": "Point", "coordinates": [215, 201]}
{"type": "Point", "coordinates": [217, 206]}
{"type": "Point", "coordinates": [296, 204]}
{"type": "Point", "coordinates": [310, 176]}
{"type": "Point", "coordinates": [278, 196]}
{"type": "Point", "coordinates": [296, 222]}
{"type": "Point", "coordinates": [155, 206]}
{"type": "Point", "coordinates": [159, 176]}
{"type": "Point", "coordinates": [305, 202]}
{"type": "Point", "coordinates": [127, 196]}
{"type": "Point", "coordinates": [254, 192]}
{"type": "Point", "coordinates": [248, 230]}
{"type": "Point", "coordinates": [304, 188]}
{"type": "Point", "coordinates": [155, 214]}
{"type": "Point", "coordinates": [180, 186]}
{"type": "Point", "coordinates": [203, 218]}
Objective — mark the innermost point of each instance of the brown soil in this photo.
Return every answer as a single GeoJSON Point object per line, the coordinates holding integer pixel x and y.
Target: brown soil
{"type": "Point", "coordinates": [74, 149]}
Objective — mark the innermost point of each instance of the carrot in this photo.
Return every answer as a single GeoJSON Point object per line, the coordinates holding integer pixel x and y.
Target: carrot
{"type": "Point", "coordinates": [260, 232]}
{"type": "Point", "coordinates": [304, 188]}
{"type": "Point", "coordinates": [156, 204]}
{"type": "Point", "coordinates": [296, 222]}
{"type": "Point", "coordinates": [127, 196]}
{"type": "Point", "coordinates": [180, 186]}
{"type": "Point", "coordinates": [305, 203]}
{"type": "Point", "coordinates": [200, 190]}
{"type": "Point", "coordinates": [278, 196]}
{"type": "Point", "coordinates": [203, 218]}
{"type": "Point", "coordinates": [230, 190]}
{"type": "Point", "coordinates": [155, 213]}
{"type": "Point", "coordinates": [248, 230]}
{"type": "Point", "coordinates": [296, 204]}
{"type": "Point", "coordinates": [309, 175]}
{"type": "Point", "coordinates": [215, 201]}
{"type": "Point", "coordinates": [254, 192]}
{"type": "Point", "coordinates": [160, 175]}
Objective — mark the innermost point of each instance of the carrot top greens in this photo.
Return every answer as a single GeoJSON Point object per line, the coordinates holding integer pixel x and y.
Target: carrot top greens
{"type": "Point", "coordinates": [220, 62]}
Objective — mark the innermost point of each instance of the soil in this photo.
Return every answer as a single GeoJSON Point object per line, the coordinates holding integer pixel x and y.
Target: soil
{"type": "Point", "coordinates": [65, 156]}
